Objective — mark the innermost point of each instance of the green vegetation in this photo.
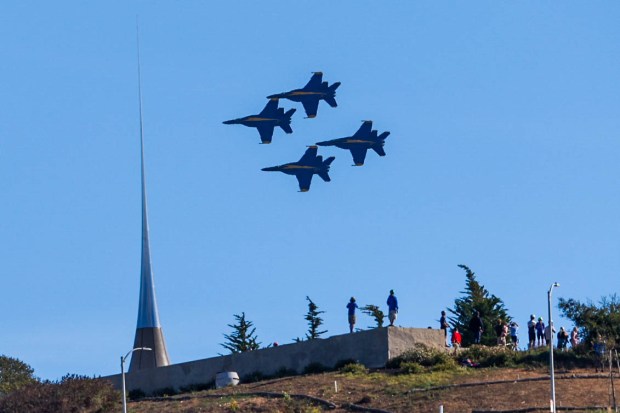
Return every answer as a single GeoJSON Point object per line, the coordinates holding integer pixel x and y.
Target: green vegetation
{"type": "Point", "coordinates": [14, 374]}
{"type": "Point", "coordinates": [242, 338]}
{"type": "Point", "coordinates": [477, 298]}
{"type": "Point", "coordinates": [354, 368]}
{"type": "Point", "coordinates": [71, 394]}
{"type": "Point", "coordinates": [314, 320]}
{"type": "Point", "coordinates": [594, 321]}
{"type": "Point", "coordinates": [374, 312]}
{"type": "Point", "coordinates": [424, 356]}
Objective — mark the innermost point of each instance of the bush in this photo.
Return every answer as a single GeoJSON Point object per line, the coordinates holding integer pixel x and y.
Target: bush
{"type": "Point", "coordinates": [253, 377]}
{"type": "Point", "coordinates": [341, 363]}
{"type": "Point", "coordinates": [422, 355]}
{"type": "Point", "coordinates": [14, 374]}
{"type": "Point", "coordinates": [492, 356]}
{"type": "Point", "coordinates": [71, 394]}
{"type": "Point", "coordinates": [136, 394]}
{"type": "Point", "coordinates": [354, 368]}
{"type": "Point", "coordinates": [197, 387]}
{"type": "Point", "coordinates": [315, 368]}
{"type": "Point", "coordinates": [284, 372]}
{"type": "Point", "coordinates": [165, 392]}
{"type": "Point", "coordinates": [411, 367]}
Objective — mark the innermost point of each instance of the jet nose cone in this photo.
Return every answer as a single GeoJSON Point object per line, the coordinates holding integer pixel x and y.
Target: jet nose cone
{"type": "Point", "coordinates": [229, 122]}
{"type": "Point", "coordinates": [270, 169]}
{"type": "Point", "coordinates": [322, 143]}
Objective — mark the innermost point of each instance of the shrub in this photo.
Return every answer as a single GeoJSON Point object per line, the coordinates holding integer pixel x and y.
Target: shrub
{"type": "Point", "coordinates": [422, 355]}
{"type": "Point", "coordinates": [136, 394]}
{"type": "Point", "coordinates": [285, 372]}
{"type": "Point", "coordinates": [198, 387]}
{"type": "Point", "coordinates": [411, 367]}
{"type": "Point", "coordinates": [491, 356]}
{"type": "Point", "coordinates": [354, 368]}
{"type": "Point", "coordinates": [165, 392]}
{"type": "Point", "coordinates": [341, 363]}
{"type": "Point", "coordinates": [253, 377]}
{"type": "Point", "coordinates": [315, 368]}
{"type": "Point", "coordinates": [71, 394]}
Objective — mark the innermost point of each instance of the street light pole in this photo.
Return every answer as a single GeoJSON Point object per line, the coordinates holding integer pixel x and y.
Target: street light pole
{"type": "Point", "coordinates": [552, 404]}
{"type": "Point", "coordinates": [123, 373]}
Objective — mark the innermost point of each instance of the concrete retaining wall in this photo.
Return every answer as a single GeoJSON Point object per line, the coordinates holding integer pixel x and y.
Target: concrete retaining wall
{"type": "Point", "coordinates": [373, 348]}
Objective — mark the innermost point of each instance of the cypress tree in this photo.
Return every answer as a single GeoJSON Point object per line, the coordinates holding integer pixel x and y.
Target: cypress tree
{"type": "Point", "coordinates": [477, 298]}
{"type": "Point", "coordinates": [242, 338]}
{"type": "Point", "coordinates": [314, 321]}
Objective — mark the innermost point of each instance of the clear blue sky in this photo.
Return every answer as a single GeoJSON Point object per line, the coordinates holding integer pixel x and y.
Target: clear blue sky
{"type": "Point", "coordinates": [503, 155]}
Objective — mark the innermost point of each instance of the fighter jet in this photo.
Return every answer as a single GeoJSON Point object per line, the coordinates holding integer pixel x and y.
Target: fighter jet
{"type": "Point", "coordinates": [365, 138]}
{"type": "Point", "coordinates": [308, 165]}
{"type": "Point", "coordinates": [310, 94]}
{"type": "Point", "coordinates": [267, 120]}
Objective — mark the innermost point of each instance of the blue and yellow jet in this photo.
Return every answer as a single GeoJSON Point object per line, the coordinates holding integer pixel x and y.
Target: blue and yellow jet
{"type": "Point", "coordinates": [267, 120]}
{"type": "Point", "coordinates": [308, 165]}
{"type": "Point", "coordinates": [365, 138]}
{"type": "Point", "coordinates": [311, 94]}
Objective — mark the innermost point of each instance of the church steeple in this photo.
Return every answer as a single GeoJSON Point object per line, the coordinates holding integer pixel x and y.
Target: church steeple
{"type": "Point", "coordinates": [148, 330]}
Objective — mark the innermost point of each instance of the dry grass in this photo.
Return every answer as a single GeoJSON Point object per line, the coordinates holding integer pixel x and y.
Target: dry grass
{"type": "Point", "coordinates": [395, 392]}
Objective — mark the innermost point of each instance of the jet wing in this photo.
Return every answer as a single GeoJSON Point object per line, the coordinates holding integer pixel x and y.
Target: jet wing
{"type": "Point", "coordinates": [304, 179]}
{"type": "Point", "coordinates": [270, 108]}
{"type": "Point", "coordinates": [311, 106]}
{"type": "Point", "coordinates": [309, 157]}
{"type": "Point", "coordinates": [315, 80]}
{"type": "Point", "coordinates": [266, 133]}
{"type": "Point", "coordinates": [359, 155]}
{"type": "Point", "coordinates": [364, 130]}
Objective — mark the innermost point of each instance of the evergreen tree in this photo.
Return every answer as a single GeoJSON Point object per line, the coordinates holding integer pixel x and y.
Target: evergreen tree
{"type": "Point", "coordinates": [242, 338]}
{"type": "Point", "coordinates": [375, 312]}
{"type": "Point", "coordinates": [314, 321]}
{"type": "Point", "coordinates": [477, 298]}
{"type": "Point", "coordinates": [593, 320]}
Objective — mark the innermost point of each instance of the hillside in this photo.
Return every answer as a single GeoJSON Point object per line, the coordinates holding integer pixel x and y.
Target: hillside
{"type": "Point", "coordinates": [461, 390]}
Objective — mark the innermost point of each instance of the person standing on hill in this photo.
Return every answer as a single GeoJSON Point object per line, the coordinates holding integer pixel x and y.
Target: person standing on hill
{"type": "Point", "coordinates": [392, 303]}
{"type": "Point", "coordinates": [514, 339]}
{"type": "Point", "coordinates": [531, 332]}
{"type": "Point", "coordinates": [443, 324]}
{"type": "Point", "coordinates": [352, 306]}
{"type": "Point", "coordinates": [540, 332]}
{"type": "Point", "coordinates": [500, 331]}
{"type": "Point", "coordinates": [476, 327]}
{"type": "Point", "coordinates": [456, 340]}
{"type": "Point", "coordinates": [574, 338]}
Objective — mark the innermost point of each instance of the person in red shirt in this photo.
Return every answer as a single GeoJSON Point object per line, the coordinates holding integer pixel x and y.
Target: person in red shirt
{"type": "Point", "coordinates": [456, 339]}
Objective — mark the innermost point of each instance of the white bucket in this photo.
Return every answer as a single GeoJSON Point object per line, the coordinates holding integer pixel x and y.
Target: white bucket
{"type": "Point", "coordinates": [226, 378]}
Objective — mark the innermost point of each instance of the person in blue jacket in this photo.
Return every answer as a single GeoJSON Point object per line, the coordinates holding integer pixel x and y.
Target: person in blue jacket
{"type": "Point", "coordinates": [392, 303]}
{"type": "Point", "coordinates": [351, 306]}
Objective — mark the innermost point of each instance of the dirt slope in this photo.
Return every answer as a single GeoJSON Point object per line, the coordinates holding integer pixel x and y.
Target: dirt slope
{"type": "Point", "coordinates": [461, 391]}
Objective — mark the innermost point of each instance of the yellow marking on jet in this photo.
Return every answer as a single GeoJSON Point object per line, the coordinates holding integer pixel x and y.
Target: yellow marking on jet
{"type": "Point", "coordinates": [298, 167]}
{"type": "Point", "coordinates": [305, 93]}
{"type": "Point", "coordinates": [257, 119]}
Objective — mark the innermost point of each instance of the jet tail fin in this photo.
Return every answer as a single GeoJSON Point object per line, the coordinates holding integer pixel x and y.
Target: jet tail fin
{"type": "Point", "coordinates": [329, 160]}
{"type": "Point", "coordinates": [325, 176]}
{"type": "Point", "coordinates": [333, 87]}
{"type": "Point", "coordinates": [331, 101]}
{"type": "Point", "coordinates": [383, 135]}
{"type": "Point", "coordinates": [286, 128]}
{"type": "Point", "coordinates": [289, 113]}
